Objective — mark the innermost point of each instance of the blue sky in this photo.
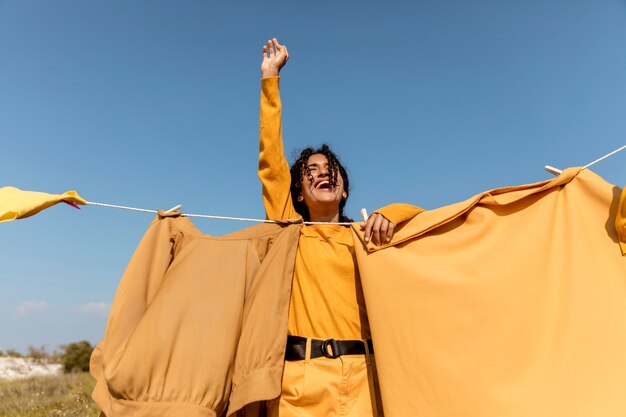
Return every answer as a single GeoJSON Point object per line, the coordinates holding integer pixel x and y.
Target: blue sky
{"type": "Point", "coordinates": [154, 103]}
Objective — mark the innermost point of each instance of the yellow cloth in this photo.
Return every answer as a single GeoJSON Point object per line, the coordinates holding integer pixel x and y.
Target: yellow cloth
{"type": "Point", "coordinates": [512, 303]}
{"type": "Point", "coordinates": [198, 324]}
{"type": "Point", "coordinates": [326, 297]}
{"type": "Point", "coordinates": [18, 204]}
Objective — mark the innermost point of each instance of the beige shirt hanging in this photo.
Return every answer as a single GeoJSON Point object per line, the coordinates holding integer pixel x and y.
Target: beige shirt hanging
{"type": "Point", "coordinates": [197, 322]}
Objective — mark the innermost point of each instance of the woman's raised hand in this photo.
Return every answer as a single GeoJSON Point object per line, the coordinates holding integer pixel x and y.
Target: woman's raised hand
{"type": "Point", "coordinates": [275, 57]}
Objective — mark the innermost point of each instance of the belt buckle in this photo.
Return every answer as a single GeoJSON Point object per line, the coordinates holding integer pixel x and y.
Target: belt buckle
{"type": "Point", "coordinates": [335, 347]}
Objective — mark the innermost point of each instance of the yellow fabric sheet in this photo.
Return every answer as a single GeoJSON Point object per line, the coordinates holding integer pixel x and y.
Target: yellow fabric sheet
{"type": "Point", "coordinates": [509, 304]}
{"type": "Point", "coordinates": [18, 204]}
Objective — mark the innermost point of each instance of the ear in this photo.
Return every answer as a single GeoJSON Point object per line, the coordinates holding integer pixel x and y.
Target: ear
{"type": "Point", "coordinates": [300, 198]}
{"type": "Point", "coordinates": [345, 195]}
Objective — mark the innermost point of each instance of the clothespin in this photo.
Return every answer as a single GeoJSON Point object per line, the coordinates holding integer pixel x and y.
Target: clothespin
{"type": "Point", "coordinates": [175, 208]}
{"type": "Point", "coordinates": [557, 172]}
{"type": "Point", "coordinates": [552, 170]}
{"type": "Point", "coordinates": [364, 214]}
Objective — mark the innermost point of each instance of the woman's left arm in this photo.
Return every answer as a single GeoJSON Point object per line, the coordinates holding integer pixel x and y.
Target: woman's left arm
{"type": "Point", "coordinates": [381, 224]}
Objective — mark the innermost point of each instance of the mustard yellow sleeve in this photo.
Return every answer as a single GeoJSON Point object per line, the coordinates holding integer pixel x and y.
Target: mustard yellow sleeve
{"type": "Point", "coordinates": [620, 222]}
{"type": "Point", "coordinates": [399, 212]}
{"type": "Point", "coordinates": [273, 167]}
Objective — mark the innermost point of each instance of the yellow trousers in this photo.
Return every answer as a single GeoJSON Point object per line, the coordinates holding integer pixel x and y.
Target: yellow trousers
{"type": "Point", "coordinates": [322, 387]}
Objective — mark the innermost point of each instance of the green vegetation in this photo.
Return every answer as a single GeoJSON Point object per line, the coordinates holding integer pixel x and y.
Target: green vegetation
{"type": "Point", "coordinates": [38, 354]}
{"type": "Point", "coordinates": [12, 353]}
{"type": "Point", "coordinates": [63, 395]}
{"type": "Point", "coordinates": [41, 355]}
{"type": "Point", "coordinates": [76, 356]}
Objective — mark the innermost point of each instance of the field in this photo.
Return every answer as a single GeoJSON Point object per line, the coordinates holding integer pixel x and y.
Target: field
{"type": "Point", "coordinates": [62, 395]}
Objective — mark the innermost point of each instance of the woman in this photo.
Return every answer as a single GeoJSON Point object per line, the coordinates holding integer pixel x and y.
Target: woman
{"type": "Point", "coordinates": [329, 368]}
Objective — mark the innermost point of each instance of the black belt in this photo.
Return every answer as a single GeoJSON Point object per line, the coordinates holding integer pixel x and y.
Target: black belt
{"type": "Point", "coordinates": [330, 348]}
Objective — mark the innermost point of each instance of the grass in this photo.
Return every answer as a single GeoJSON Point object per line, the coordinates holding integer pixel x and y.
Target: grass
{"type": "Point", "coordinates": [63, 395]}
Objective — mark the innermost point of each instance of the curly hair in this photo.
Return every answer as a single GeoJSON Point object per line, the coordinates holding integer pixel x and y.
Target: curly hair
{"type": "Point", "coordinates": [299, 169]}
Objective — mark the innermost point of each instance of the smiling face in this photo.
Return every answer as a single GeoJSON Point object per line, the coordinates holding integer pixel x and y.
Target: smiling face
{"type": "Point", "coordinates": [317, 190]}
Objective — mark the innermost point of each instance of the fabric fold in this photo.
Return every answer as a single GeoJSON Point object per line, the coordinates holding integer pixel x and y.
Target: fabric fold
{"type": "Point", "coordinates": [426, 221]}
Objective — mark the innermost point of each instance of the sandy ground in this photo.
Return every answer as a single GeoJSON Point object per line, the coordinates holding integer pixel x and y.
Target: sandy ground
{"type": "Point", "coordinates": [16, 368]}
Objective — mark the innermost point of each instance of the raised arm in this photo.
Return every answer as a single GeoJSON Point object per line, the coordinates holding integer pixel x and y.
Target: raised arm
{"type": "Point", "coordinates": [275, 56]}
{"type": "Point", "coordinates": [273, 167]}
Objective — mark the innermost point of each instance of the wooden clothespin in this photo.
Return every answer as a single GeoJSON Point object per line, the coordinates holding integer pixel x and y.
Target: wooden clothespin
{"type": "Point", "coordinates": [175, 208]}
{"type": "Point", "coordinates": [364, 214]}
{"type": "Point", "coordinates": [552, 170]}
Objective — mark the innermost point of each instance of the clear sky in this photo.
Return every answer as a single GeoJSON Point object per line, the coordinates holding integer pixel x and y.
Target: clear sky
{"type": "Point", "coordinates": [155, 103]}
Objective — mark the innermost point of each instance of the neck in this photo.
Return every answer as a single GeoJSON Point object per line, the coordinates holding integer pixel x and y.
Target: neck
{"type": "Point", "coordinates": [331, 216]}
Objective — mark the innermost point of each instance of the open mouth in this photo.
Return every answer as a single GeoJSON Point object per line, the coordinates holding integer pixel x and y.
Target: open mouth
{"type": "Point", "coordinates": [323, 185]}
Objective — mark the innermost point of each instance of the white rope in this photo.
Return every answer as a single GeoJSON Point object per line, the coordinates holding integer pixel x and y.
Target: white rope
{"type": "Point", "coordinates": [206, 216]}
{"type": "Point", "coordinates": [242, 219]}
{"type": "Point", "coordinates": [557, 172]}
{"type": "Point", "coordinates": [604, 157]}
{"type": "Point", "coordinates": [120, 207]}
{"type": "Point", "coordinates": [548, 168]}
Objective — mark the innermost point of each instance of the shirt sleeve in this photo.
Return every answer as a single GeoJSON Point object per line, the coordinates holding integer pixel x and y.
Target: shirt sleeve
{"type": "Point", "coordinates": [399, 212]}
{"type": "Point", "coordinates": [273, 167]}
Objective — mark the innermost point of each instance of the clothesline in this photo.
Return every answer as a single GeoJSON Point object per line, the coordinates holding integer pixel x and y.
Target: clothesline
{"type": "Point", "coordinates": [207, 216]}
{"type": "Point", "coordinates": [556, 171]}
{"type": "Point", "coordinates": [548, 168]}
